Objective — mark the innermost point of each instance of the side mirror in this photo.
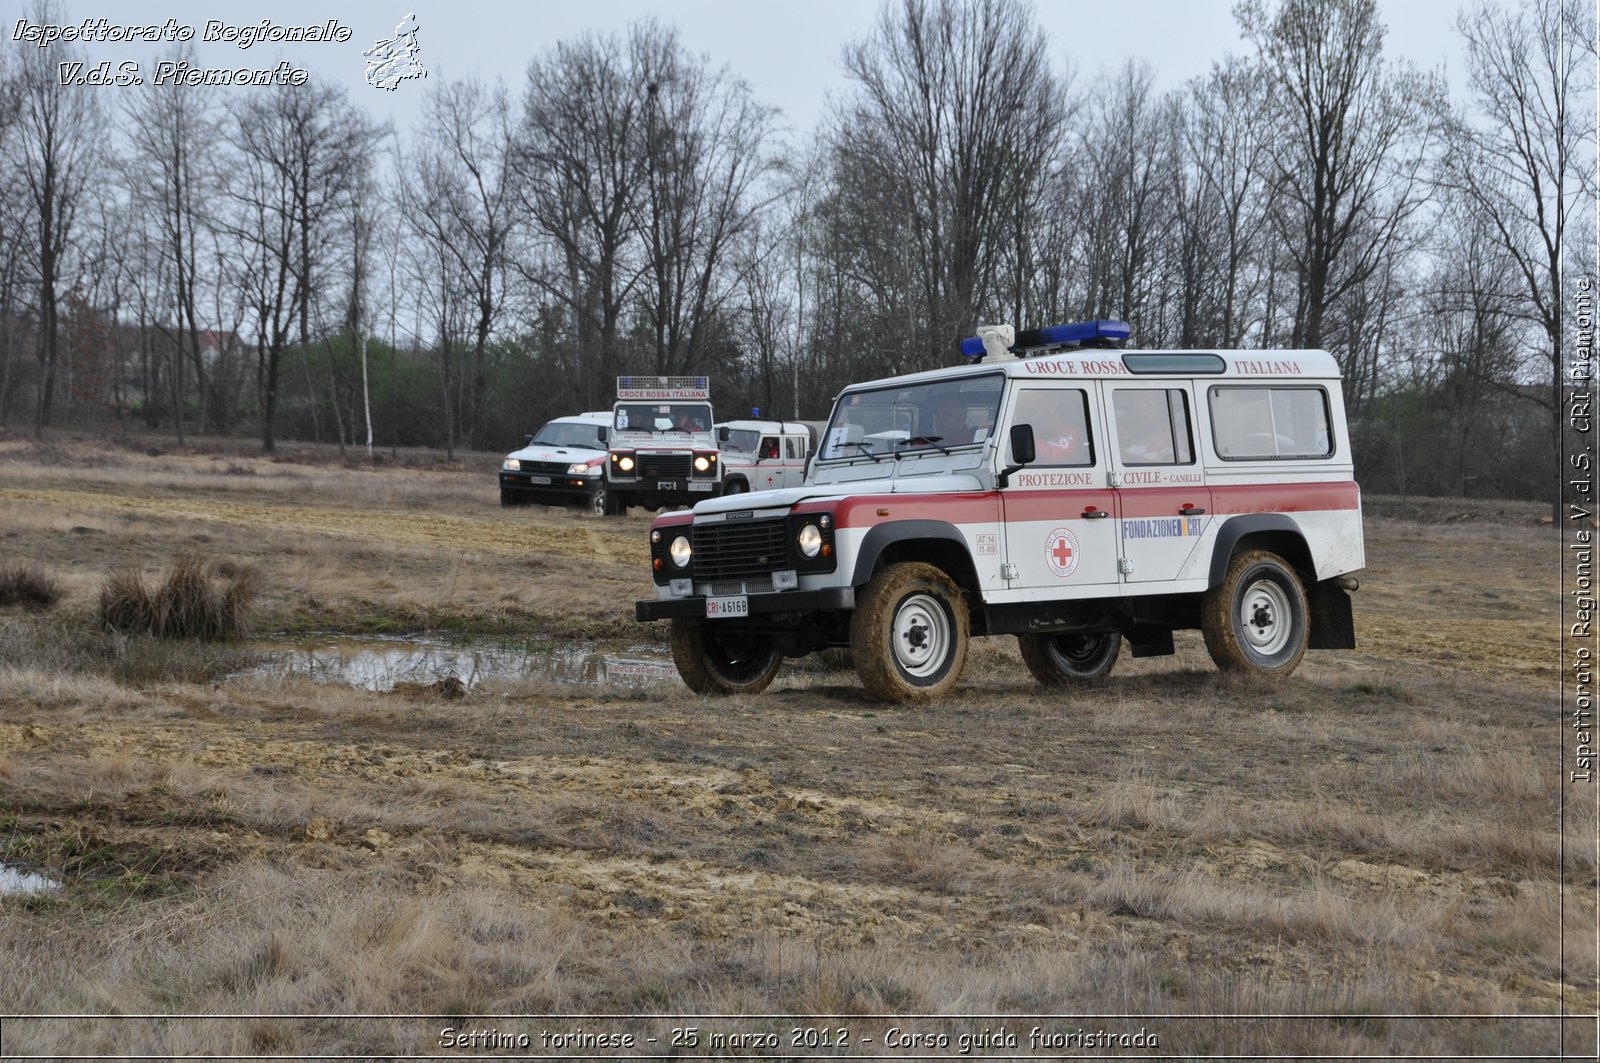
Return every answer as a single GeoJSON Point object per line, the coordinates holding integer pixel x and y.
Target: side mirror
{"type": "Point", "coordinates": [603, 433]}
{"type": "Point", "coordinates": [722, 433]}
{"type": "Point", "coordinates": [1022, 451]}
{"type": "Point", "coordinates": [527, 441]}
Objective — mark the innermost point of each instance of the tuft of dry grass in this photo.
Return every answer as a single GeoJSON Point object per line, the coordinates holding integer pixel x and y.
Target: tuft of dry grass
{"type": "Point", "coordinates": [195, 601]}
{"type": "Point", "coordinates": [28, 586]}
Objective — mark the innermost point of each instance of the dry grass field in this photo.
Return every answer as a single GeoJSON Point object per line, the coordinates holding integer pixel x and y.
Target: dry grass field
{"type": "Point", "coordinates": [1369, 850]}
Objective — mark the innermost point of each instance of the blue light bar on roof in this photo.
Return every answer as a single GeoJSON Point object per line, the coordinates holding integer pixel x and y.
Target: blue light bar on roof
{"type": "Point", "coordinates": [1078, 332]}
{"type": "Point", "coordinates": [972, 347]}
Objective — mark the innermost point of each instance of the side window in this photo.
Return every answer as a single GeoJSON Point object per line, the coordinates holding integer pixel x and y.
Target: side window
{"type": "Point", "coordinates": [1259, 423]}
{"type": "Point", "coordinates": [791, 447]}
{"type": "Point", "coordinates": [1152, 426]}
{"type": "Point", "coordinates": [1060, 420]}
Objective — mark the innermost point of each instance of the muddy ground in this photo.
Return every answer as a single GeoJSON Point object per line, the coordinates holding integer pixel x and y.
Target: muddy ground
{"type": "Point", "coordinates": [1385, 834]}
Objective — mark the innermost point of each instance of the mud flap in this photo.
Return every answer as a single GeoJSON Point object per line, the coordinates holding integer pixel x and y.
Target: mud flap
{"type": "Point", "coordinates": [1151, 642]}
{"type": "Point", "coordinates": [1333, 625]}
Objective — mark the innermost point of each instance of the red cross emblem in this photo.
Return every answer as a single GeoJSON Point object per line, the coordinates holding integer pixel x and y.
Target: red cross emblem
{"type": "Point", "coordinates": [1061, 552]}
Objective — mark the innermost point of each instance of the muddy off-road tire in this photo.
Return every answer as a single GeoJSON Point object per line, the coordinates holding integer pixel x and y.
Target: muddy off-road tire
{"type": "Point", "coordinates": [1056, 660]}
{"type": "Point", "coordinates": [712, 659]}
{"type": "Point", "coordinates": [909, 633]}
{"type": "Point", "coordinates": [1255, 620]}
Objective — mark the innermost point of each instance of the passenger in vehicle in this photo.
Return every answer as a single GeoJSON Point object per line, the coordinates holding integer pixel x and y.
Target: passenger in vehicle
{"type": "Point", "coordinates": [949, 423]}
{"type": "Point", "coordinates": [1058, 439]}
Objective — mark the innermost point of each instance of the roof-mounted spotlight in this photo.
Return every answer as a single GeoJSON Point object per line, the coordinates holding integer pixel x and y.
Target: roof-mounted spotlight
{"type": "Point", "coordinates": [992, 340]}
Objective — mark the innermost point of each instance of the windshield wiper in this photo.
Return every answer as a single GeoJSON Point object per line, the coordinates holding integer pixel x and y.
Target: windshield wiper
{"type": "Point", "coordinates": [916, 442]}
{"type": "Point", "coordinates": [866, 448]}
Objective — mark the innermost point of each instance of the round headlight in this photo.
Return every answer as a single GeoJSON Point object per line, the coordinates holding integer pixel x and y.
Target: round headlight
{"type": "Point", "coordinates": [625, 463]}
{"type": "Point", "coordinates": [702, 464]}
{"type": "Point", "coordinates": [679, 551]}
{"type": "Point", "coordinates": [511, 465]}
{"type": "Point", "coordinates": [810, 540]}
{"type": "Point", "coordinates": [655, 535]}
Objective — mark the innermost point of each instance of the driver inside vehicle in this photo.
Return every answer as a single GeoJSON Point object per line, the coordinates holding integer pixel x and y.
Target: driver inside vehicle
{"type": "Point", "coordinates": [949, 423]}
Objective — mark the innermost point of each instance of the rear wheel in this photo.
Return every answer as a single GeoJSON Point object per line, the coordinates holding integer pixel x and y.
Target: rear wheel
{"type": "Point", "coordinates": [908, 634]}
{"type": "Point", "coordinates": [1255, 619]}
{"type": "Point", "coordinates": [716, 659]}
{"type": "Point", "coordinates": [1058, 659]}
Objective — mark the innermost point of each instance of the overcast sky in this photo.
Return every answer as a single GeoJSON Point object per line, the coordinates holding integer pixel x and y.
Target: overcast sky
{"type": "Point", "coordinates": [788, 52]}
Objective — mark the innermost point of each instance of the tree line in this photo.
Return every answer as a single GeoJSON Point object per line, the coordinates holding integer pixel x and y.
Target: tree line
{"type": "Point", "coordinates": [275, 261]}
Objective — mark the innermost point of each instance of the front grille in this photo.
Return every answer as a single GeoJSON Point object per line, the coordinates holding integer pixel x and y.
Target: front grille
{"type": "Point", "coordinates": [547, 468]}
{"type": "Point", "coordinates": [663, 466]}
{"type": "Point", "coordinates": [740, 549]}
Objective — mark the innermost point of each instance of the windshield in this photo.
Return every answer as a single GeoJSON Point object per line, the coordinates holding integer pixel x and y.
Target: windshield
{"type": "Point", "coordinates": [570, 434]}
{"type": "Point", "coordinates": [934, 416]}
{"type": "Point", "coordinates": [664, 417]}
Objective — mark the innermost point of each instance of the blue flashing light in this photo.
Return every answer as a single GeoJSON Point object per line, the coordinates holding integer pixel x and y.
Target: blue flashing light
{"type": "Point", "coordinates": [755, 411]}
{"type": "Point", "coordinates": [1074, 333]}
{"type": "Point", "coordinates": [972, 347]}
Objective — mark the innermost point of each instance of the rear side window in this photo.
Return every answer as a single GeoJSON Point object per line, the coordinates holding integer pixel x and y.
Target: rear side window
{"type": "Point", "coordinates": [1152, 426]}
{"type": "Point", "coordinates": [1268, 423]}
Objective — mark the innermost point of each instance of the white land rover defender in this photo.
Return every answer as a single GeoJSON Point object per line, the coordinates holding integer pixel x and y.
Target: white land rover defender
{"type": "Point", "coordinates": [762, 455]}
{"type": "Point", "coordinates": [1060, 490]}
{"type": "Point", "coordinates": [663, 445]}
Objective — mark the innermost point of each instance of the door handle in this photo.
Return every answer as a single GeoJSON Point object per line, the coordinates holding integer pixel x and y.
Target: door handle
{"type": "Point", "coordinates": [1095, 514]}
{"type": "Point", "coordinates": [1191, 511]}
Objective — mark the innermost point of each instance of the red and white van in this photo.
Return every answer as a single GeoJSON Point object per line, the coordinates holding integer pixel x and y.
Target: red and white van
{"type": "Point", "coordinates": [1058, 489]}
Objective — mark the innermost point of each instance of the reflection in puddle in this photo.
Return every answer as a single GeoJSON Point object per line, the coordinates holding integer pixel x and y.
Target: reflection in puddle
{"type": "Point", "coordinates": [14, 883]}
{"type": "Point", "coordinates": [380, 663]}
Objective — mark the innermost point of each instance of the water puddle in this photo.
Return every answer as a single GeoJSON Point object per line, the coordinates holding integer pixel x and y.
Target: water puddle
{"type": "Point", "coordinates": [14, 883]}
{"type": "Point", "coordinates": [380, 663]}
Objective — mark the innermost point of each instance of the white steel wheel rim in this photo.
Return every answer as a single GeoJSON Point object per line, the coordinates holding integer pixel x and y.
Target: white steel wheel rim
{"type": "Point", "coordinates": [1264, 618]}
{"type": "Point", "coordinates": [597, 504]}
{"type": "Point", "coordinates": [921, 636]}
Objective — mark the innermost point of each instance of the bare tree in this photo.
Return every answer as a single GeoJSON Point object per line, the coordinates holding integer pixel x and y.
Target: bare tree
{"type": "Point", "coordinates": [1353, 136]}
{"type": "Point", "coordinates": [171, 176]}
{"type": "Point", "coordinates": [704, 150]}
{"type": "Point", "coordinates": [1228, 144]}
{"type": "Point", "coordinates": [13, 229]}
{"type": "Point", "coordinates": [60, 141]}
{"type": "Point", "coordinates": [955, 104]}
{"type": "Point", "coordinates": [1526, 163]}
{"type": "Point", "coordinates": [581, 177]}
{"type": "Point", "coordinates": [469, 215]}
{"type": "Point", "coordinates": [300, 154]}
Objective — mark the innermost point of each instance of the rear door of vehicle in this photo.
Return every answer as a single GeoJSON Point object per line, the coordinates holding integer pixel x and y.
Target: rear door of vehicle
{"type": "Point", "coordinates": [1162, 497]}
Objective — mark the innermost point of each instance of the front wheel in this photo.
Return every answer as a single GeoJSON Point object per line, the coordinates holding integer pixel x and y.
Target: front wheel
{"type": "Point", "coordinates": [1058, 659]}
{"type": "Point", "coordinates": [908, 634]}
{"type": "Point", "coordinates": [713, 659]}
{"type": "Point", "coordinates": [1255, 619]}
{"type": "Point", "coordinates": [735, 487]}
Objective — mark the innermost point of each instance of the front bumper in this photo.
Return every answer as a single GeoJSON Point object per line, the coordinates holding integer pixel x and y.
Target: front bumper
{"type": "Point", "coordinates": [827, 600]}
{"type": "Point", "coordinates": [559, 489]}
